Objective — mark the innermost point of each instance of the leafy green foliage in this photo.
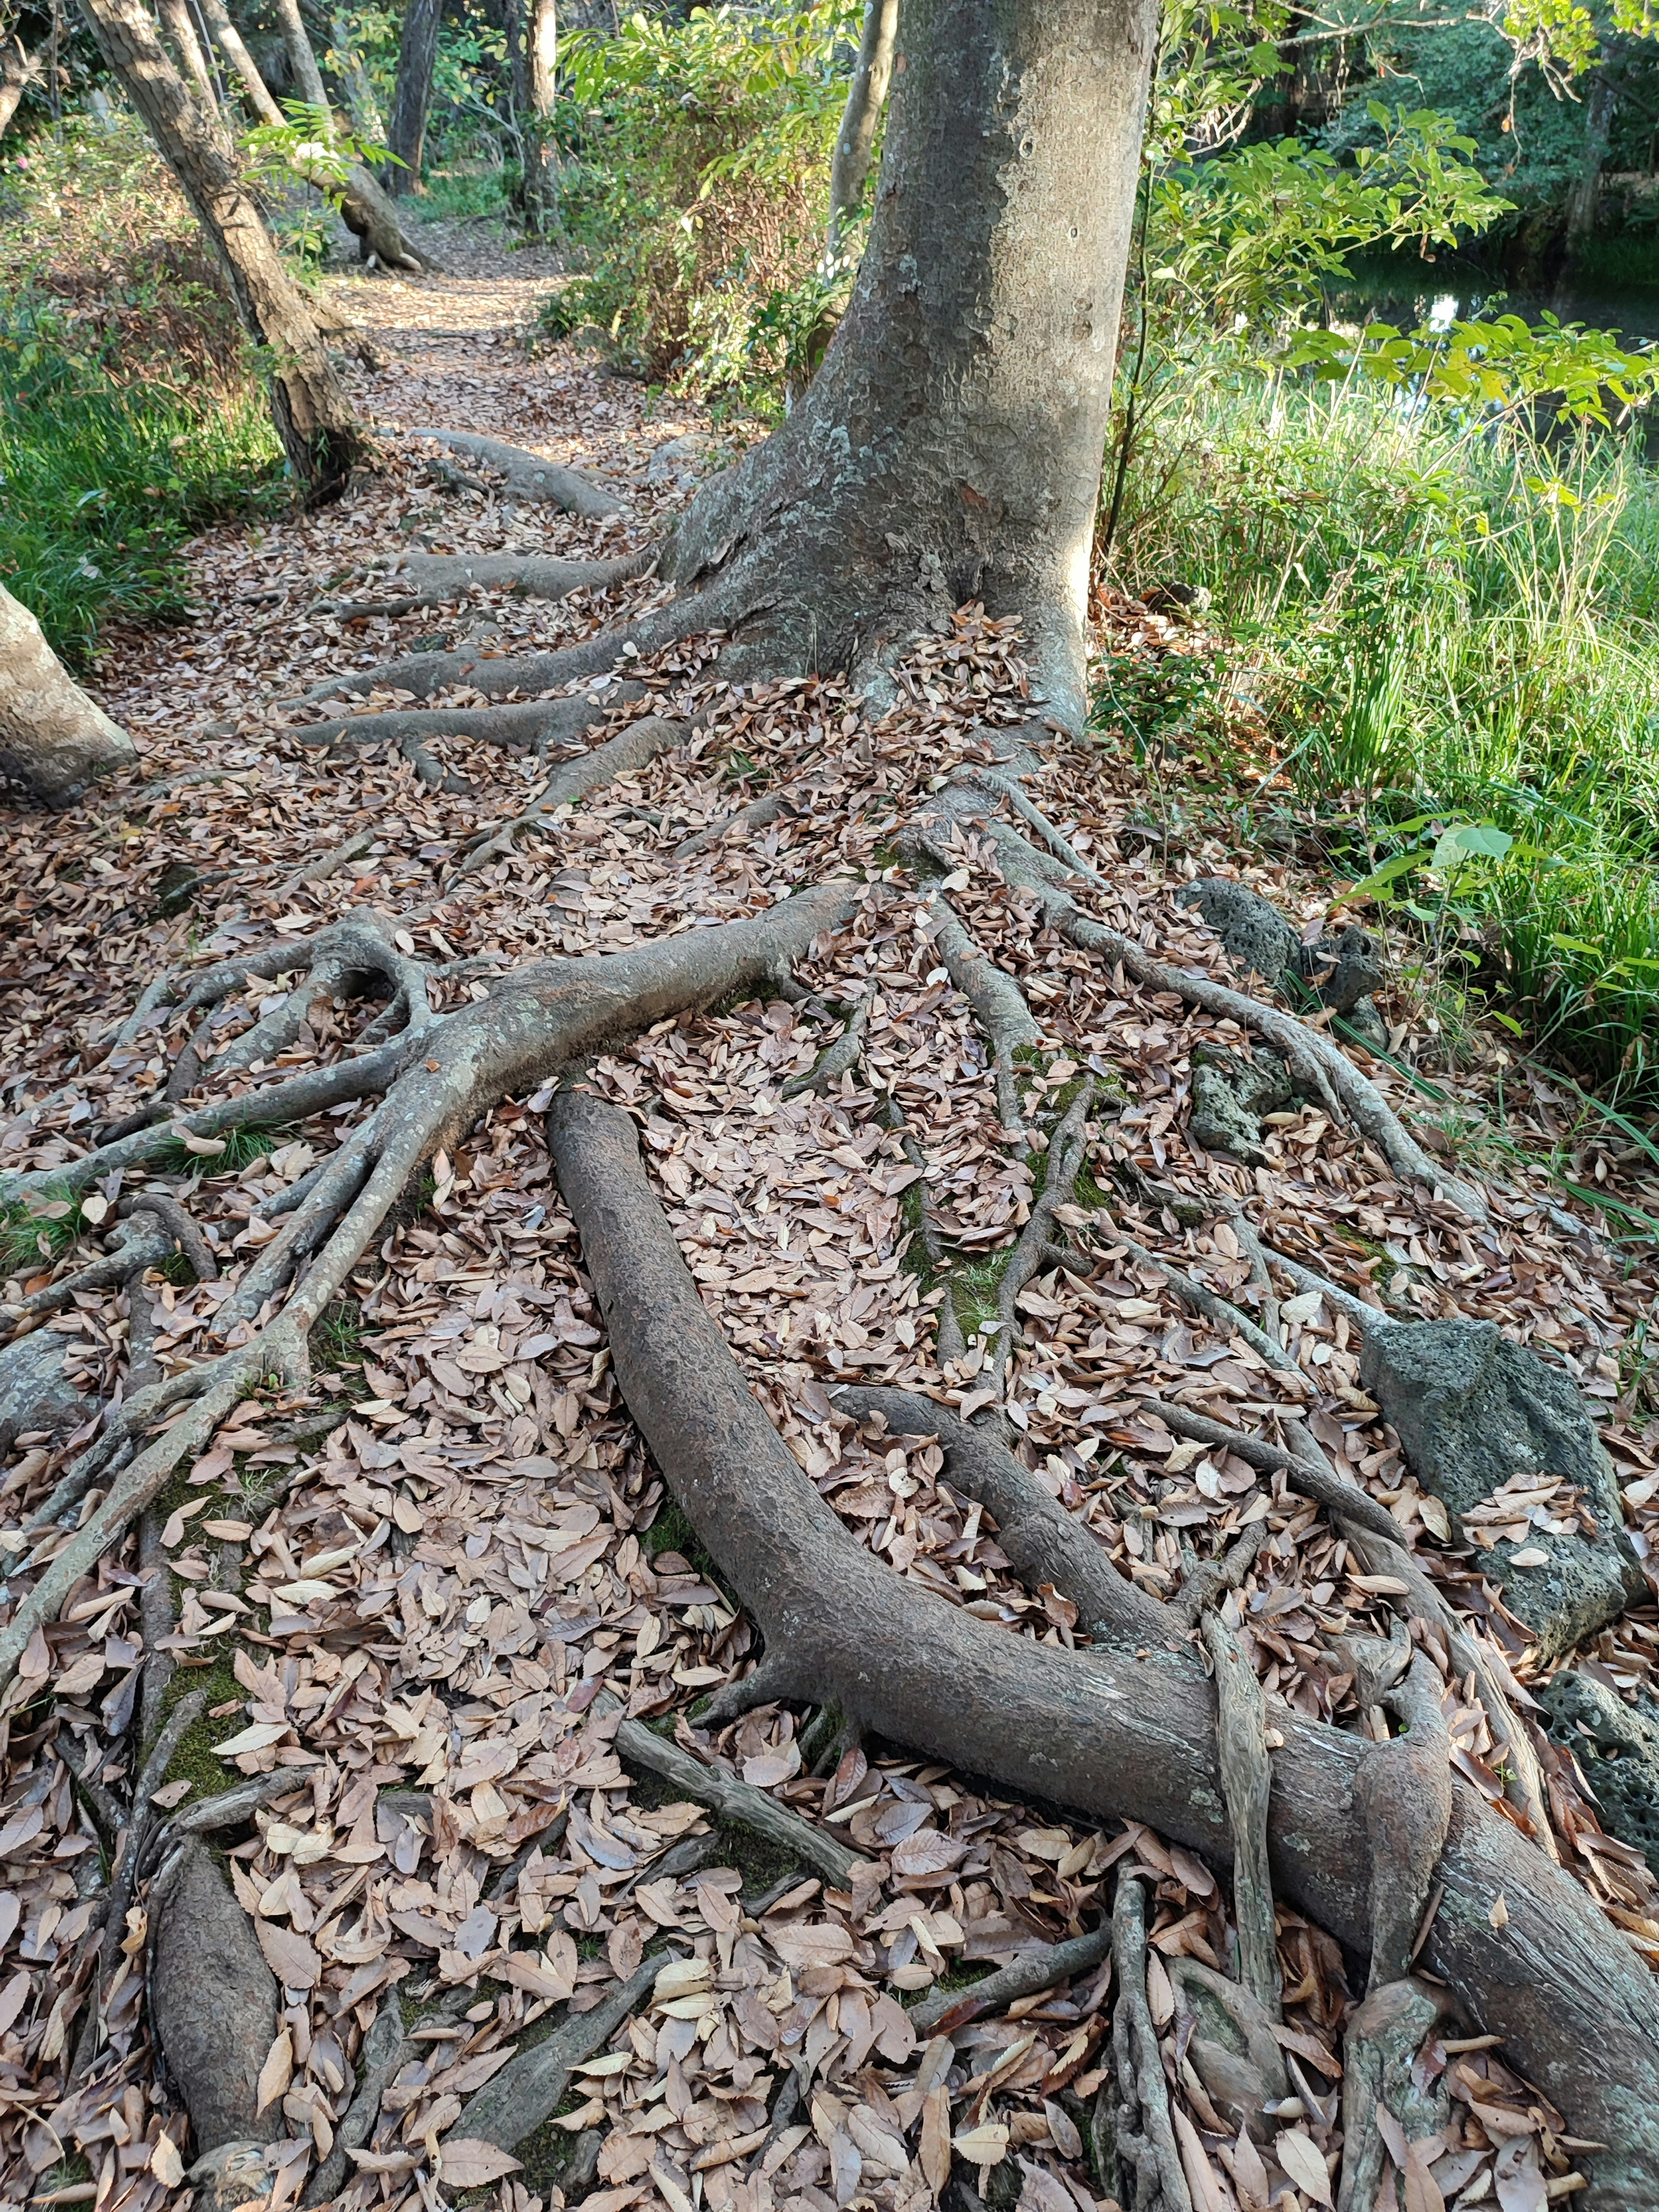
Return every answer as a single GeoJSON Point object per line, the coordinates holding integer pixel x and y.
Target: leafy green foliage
{"type": "Point", "coordinates": [1454, 628]}
{"type": "Point", "coordinates": [129, 413]}
{"type": "Point", "coordinates": [1256, 232]}
{"type": "Point", "coordinates": [699, 191]}
{"type": "Point", "coordinates": [1585, 375]}
{"type": "Point", "coordinates": [101, 482]}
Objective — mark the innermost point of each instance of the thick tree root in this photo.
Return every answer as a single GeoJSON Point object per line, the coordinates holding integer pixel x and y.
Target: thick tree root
{"type": "Point", "coordinates": [214, 2001]}
{"type": "Point", "coordinates": [529, 478]}
{"type": "Point", "coordinates": [1144, 2136]}
{"type": "Point", "coordinates": [1247, 1784]}
{"type": "Point", "coordinates": [632, 748]}
{"type": "Point", "coordinates": [537, 725]}
{"type": "Point", "coordinates": [1044, 1542]}
{"type": "Point", "coordinates": [1384, 2039]}
{"type": "Point", "coordinates": [500, 676]}
{"type": "Point", "coordinates": [540, 1023]}
{"type": "Point", "coordinates": [528, 2087]}
{"type": "Point", "coordinates": [1095, 1731]}
{"type": "Point", "coordinates": [408, 580]}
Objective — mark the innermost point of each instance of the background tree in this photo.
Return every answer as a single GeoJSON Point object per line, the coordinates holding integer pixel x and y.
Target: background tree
{"type": "Point", "coordinates": [314, 416]}
{"type": "Point", "coordinates": [418, 55]}
{"type": "Point", "coordinates": [856, 138]}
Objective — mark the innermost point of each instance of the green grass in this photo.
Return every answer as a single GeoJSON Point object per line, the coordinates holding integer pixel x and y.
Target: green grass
{"type": "Point", "coordinates": [1426, 622]}
{"type": "Point", "coordinates": [102, 481]}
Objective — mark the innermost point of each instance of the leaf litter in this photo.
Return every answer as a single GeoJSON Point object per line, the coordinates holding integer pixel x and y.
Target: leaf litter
{"type": "Point", "coordinates": [406, 1589]}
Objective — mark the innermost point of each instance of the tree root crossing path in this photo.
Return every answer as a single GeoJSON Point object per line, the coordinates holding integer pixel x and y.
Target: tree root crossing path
{"type": "Point", "coordinates": [667, 1536]}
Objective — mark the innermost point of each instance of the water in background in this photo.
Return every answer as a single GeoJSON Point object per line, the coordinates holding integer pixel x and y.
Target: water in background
{"type": "Point", "coordinates": [1408, 293]}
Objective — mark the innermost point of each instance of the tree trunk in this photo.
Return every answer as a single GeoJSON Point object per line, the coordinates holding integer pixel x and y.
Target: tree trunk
{"type": "Point", "coordinates": [536, 75]}
{"type": "Point", "coordinates": [314, 417]}
{"type": "Point", "coordinates": [53, 739]}
{"type": "Point", "coordinates": [176, 18]}
{"type": "Point", "coordinates": [872, 74]}
{"type": "Point", "coordinates": [302, 60]}
{"type": "Point", "coordinates": [1583, 202]}
{"type": "Point", "coordinates": [18, 70]}
{"type": "Point", "coordinates": [532, 56]}
{"type": "Point", "coordinates": [417, 54]}
{"type": "Point", "coordinates": [951, 446]}
{"type": "Point", "coordinates": [230, 41]}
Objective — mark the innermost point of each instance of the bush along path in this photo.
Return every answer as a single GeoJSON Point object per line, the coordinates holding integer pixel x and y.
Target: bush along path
{"type": "Point", "coordinates": [671, 1540]}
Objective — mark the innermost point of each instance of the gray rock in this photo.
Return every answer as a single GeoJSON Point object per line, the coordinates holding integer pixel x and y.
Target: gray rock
{"type": "Point", "coordinates": [1474, 1409]}
{"type": "Point", "coordinates": [1365, 1018]}
{"type": "Point", "coordinates": [1343, 969]}
{"type": "Point", "coordinates": [685, 461]}
{"type": "Point", "coordinates": [34, 1393]}
{"type": "Point", "coordinates": [1231, 1093]}
{"type": "Point", "coordinates": [1617, 1748]}
{"type": "Point", "coordinates": [1254, 933]}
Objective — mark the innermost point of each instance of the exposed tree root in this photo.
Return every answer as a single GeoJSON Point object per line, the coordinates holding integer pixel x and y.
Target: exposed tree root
{"type": "Point", "coordinates": [528, 2087]}
{"type": "Point", "coordinates": [1246, 1784]}
{"type": "Point", "coordinates": [408, 581]}
{"type": "Point", "coordinates": [1143, 2135]}
{"type": "Point", "coordinates": [631, 749]}
{"type": "Point", "coordinates": [1044, 1542]}
{"type": "Point", "coordinates": [499, 675]}
{"type": "Point", "coordinates": [438, 1079]}
{"type": "Point", "coordinates": [529, 478]}
{"type": "Point", "coordinates": [537, 725]}
{"type": "Point", "coordinates": [1041, 1969]}
{"type": "Point", "coordinates": [1094, 1731]}
{"type": "Point", "coordinates": [731, 1799]}
{"type": "Point", "coordinates": [1314, 1059]}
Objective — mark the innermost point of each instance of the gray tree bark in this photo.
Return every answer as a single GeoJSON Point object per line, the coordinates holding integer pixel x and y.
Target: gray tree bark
{"type": "Point", "coordinates": [176, 21]}
{"type": "Point", "coordinates": [950, 445]}
{"type": "Point", "coordinates": [229, 39]}
{"type": "Point", "coordinates": [872, 74]}
{"type": "Point", "coordinates": [417, 54]}
{"type": "Point", "coordinates": [313, 416]}
{"type": "Point", "coordinates": [302, 58]}
{"type": "Point", "coordinates": [53, 739]}
{"type": "Point", "coordinates": [18, 70]}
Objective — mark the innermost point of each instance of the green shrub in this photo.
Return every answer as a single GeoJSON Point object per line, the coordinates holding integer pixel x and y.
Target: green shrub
{"type": "Point", "coordinates": [130, 414]}
{"type": "Point", "coordinates": [1439, 622]}
{"type": "Point", "coordinates": [699, 190]}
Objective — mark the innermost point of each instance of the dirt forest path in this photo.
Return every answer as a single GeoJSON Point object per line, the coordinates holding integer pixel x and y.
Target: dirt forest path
{"type": "Point", "coordinates": [410, 1600]}
{"type": "Point", "coordinates": [460, 355]}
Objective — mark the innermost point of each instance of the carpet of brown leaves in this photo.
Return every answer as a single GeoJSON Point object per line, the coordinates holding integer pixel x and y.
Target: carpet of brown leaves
{"type": "Point", "coordinates": [417, 1576]}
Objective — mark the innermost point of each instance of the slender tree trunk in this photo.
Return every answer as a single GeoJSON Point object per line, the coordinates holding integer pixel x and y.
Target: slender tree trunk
{"type": "Point", "coordinates": [417, 54]}
{"type": "Point", "coordinates": [951, 446]}
{"type": "Point", "coordinates": [541, 156]}
{"type": "Point", "coordinates": [176, 20]}
{"type": "Point", "coordinates": [872, 74]}
{"type": "Point", "coordinates": [532, 55]}
{"type": "Point", "coordinates": [1583, 202]}
{"type": "Point", "coordinates": [18, 70]}
{"type": "Point", "coordinates": [314, 418]}
{"type": "Point", "coordinates": [229, 39]}
{"type": "Point", "coordinates": [53, 739]}
{"type": "Point", "coordinates": [302, 57]}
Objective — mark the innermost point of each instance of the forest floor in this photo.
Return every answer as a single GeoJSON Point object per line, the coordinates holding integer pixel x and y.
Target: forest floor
{"type": "Point", "coordinates": [419, 1574]}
